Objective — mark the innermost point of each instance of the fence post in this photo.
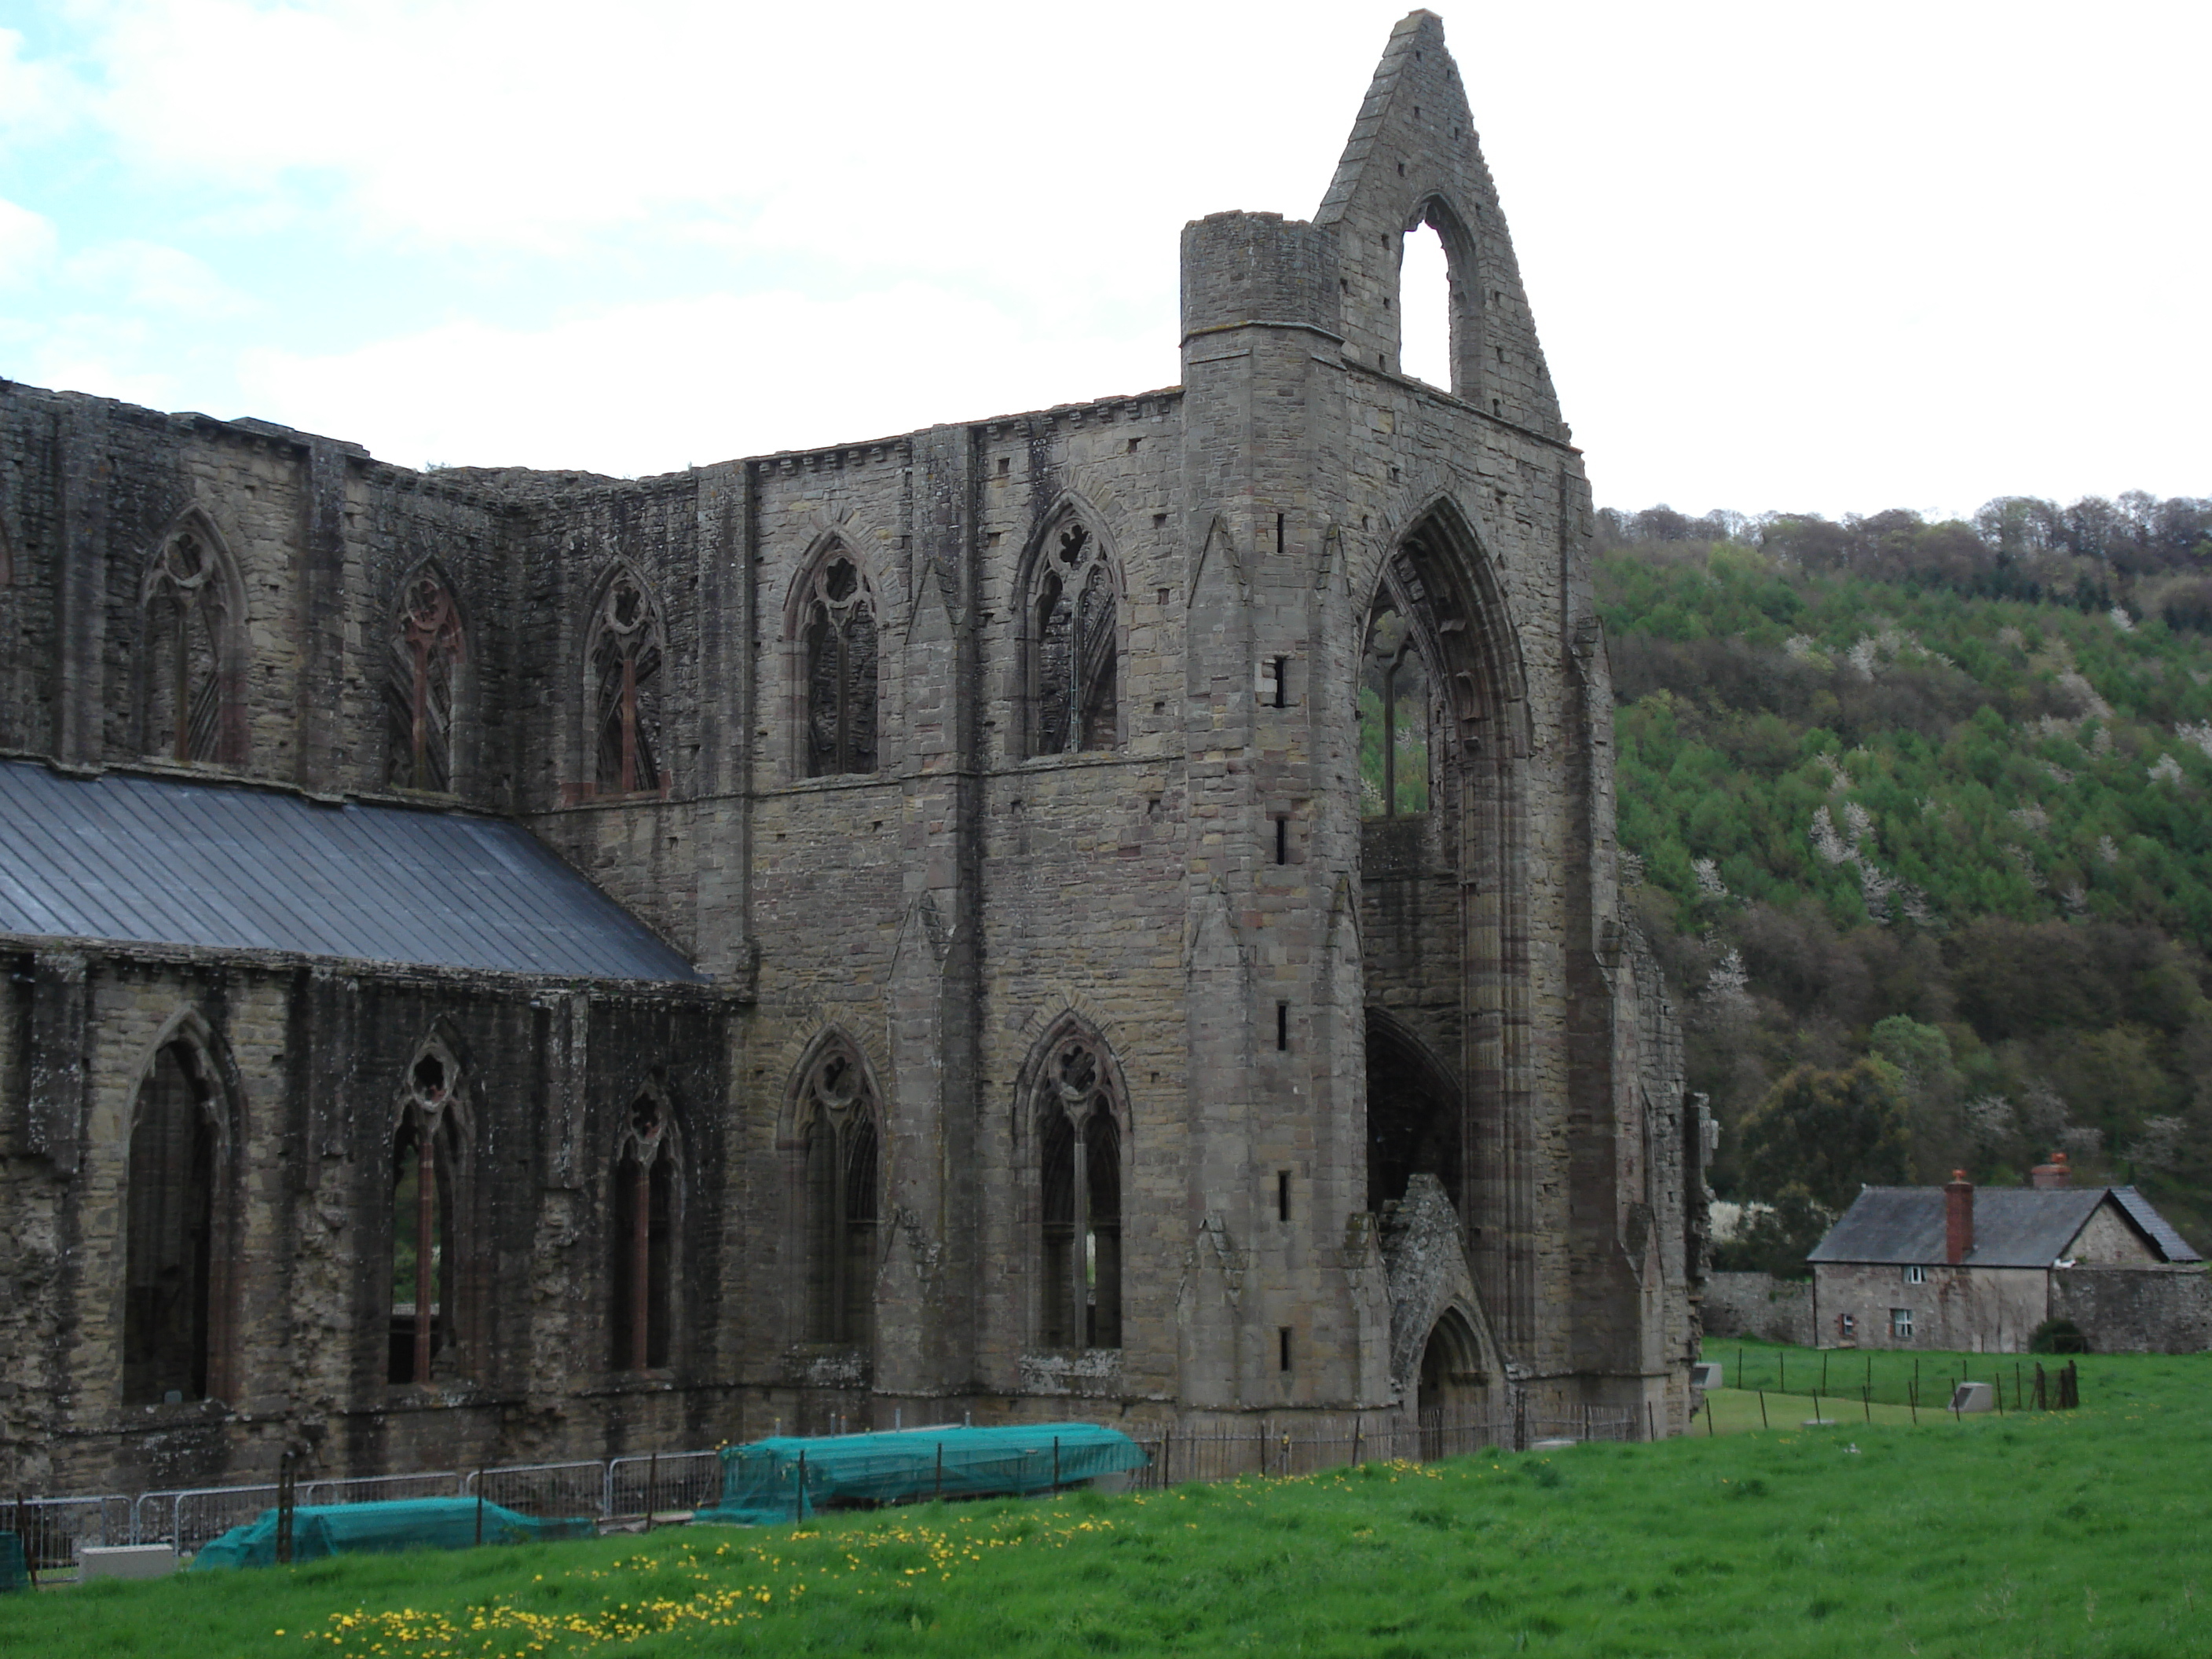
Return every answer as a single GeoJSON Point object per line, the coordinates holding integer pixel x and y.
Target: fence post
{"type": "Point", "coordinates": [1762, 1409]}
{"type": "Point", "coordinates": [288, 1494]}
{"type": "Point", "coordinates": [23, 1532]}
{"type": "Point", "coordinates": [1356, 1425]}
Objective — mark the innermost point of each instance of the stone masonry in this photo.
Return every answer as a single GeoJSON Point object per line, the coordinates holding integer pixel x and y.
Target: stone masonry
{"type": "Point", "coordinates": [989, 772]}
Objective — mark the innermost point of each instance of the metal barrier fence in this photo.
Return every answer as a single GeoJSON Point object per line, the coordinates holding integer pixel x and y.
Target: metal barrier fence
{"type": "Point", "coordinates": [53, 1529]}
{"type": "Point", "coordinates": [630, 1486]}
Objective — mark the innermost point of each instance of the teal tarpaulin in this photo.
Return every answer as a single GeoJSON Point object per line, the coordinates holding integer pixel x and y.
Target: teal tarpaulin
{"type": "Point", "coordinates": [13, 1576]}
{"type": "Point", "coordinates": [788, 1478]}
{"type": "Point", "coordinates": [438, 1523]}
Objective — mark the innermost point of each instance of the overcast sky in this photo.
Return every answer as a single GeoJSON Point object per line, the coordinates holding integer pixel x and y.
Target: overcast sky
{"type": "Point", "coordinates": [1822, 257]}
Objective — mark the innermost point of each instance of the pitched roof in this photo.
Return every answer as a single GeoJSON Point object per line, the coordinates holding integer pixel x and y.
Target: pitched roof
{"type": "Point", "coordinates": [228, 866]}
{"type": "Point", "coordinates": [2014, 1226]}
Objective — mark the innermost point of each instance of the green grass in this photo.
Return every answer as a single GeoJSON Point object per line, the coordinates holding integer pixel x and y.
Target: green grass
{"type": "Point", "coordinates": [2085, 1532]}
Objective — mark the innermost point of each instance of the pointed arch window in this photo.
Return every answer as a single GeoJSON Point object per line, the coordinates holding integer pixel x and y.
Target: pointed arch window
{"type": "Point", "coordinates": [169, 1231]}
{"type": "Point", "coordinates": [1074, 644]}
{"type": "Point", "coordinates": [839, 1130]}
{"type": "Point", "coordinates": [838, 633]}
{"type": "Point", "coordinates": [1079, 1144]}
{"type": "Point", "coordinates": [188, 628]}
{"type": "Point", "coordinates": [1394, 714]}
{"type": "Point", "coordinates": [626, 655]}
{"type": "Point", "coordinates": [427, 1155]}
{"type": "Point", "coordinates": [643, 1230]}
{"type": "Point", "coordinates": [428, 650]}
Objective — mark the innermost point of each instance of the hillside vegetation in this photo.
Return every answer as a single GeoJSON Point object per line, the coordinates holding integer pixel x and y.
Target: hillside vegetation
{"type": "Point", "coordinates": [1916, 815]}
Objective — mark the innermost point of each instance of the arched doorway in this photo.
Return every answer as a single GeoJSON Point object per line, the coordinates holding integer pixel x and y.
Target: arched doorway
{"type": "Point", "coordinates": [1414, 1125]}
{"type": "Point", "coordinates": [1453, 1390]}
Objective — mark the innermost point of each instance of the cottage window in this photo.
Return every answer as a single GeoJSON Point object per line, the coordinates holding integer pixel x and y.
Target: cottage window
{"type": "Point", "coordinates": [1900, 1324]}
{"type": "Point", "coordinates": [1916, 1275]}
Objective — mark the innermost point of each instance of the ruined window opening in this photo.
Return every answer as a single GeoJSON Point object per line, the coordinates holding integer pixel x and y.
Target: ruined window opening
{"type": "Point", "coordinates": [427, 652]}
{"type": "Point", "coordinates": [642, 1227]}
{"type": "Point", "coordinates": [1425, 305]}
{"type": "Point", "coordinates": [169, 1222]}
{"type": "Point", "coordinates": [1413, 1117]}
{"type": "Point", "coordinates": [625, 663]}
{"type": "Point", "coordinates": [839, 637]}
{"type": "Point", "coordinates": [425, 1155]}
{"type": "Point", "coordinates": [1080, 1141]}
{"type": "Point", "coordinates": [187, 634]}
{"type": "Point", "coordinates": [1393, 716]}
{"type": "Point", "coordinates": [841, 1186]}
{"type": "Point", "coordinates": [1075, 645]}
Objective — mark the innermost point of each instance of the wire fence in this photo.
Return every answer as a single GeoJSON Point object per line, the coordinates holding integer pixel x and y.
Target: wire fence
{"type": "Point", "coordinates": [633, 1487]}
{"type": "Point", "coordinates": [1885, 1377]}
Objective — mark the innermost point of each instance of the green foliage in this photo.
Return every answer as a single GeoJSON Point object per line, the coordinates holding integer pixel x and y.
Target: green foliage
{"type": "Point", "coordinates": [1825, 1134]}
{"type": "Point", "coordinates": [1776, 1237]}
{"type": "Point", "coordinates": [1890, 770]}
{"type": "Point", "coordinates": [2057, 1336]}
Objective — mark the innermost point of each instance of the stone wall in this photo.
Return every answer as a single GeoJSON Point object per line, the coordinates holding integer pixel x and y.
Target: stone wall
{"type": "Point", "coordinates": [2136, 1309]}
{"type": "Point", "coordinates": [1760, 1306]}
{"type": "Point", "coordinates": [1192, 887]}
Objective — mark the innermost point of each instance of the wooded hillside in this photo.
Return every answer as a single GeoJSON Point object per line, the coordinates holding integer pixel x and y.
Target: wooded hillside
{"type": "Point", "coordinates": [1919, 817]}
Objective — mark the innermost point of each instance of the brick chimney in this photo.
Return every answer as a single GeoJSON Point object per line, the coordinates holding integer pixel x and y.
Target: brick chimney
{"type": "Point", "coordinates": [1958, 1218]}
{"type": "Point", "coordinates": [2056, 1173]}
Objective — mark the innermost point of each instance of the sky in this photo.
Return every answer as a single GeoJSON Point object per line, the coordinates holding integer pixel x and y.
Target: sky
{"type": "Point", "coordinates": [1811, 258]}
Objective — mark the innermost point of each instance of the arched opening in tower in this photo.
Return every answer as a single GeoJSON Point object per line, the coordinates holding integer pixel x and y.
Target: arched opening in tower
{"type": "Point", "coordinates": [1413, 1116]}
{"type": "Point", "coordinates": [1425, 308]}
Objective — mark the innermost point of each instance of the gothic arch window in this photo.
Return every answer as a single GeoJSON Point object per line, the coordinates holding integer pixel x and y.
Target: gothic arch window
{"type": "Point", "coordinates": [1393, 712]}
{"type": "Point", "coordinates": [1079, 1153]}
{"type": "Point", "coordinates": [643, 1217]}
{"type": "Point", "coordinates": [424, 1188]}
{"type": "Point", "coordinates": [191, 608]}
{"type": "Point", "coordinates": [1074, 642]}
{"type": "Point", "coordinates": [175, 1182]}
{"type": "Point", "coordinates": [427, 651]}
{"type": "Point", "coordinates": [627, 648]}
{"type": "Point", "coordinates": [838, 637]}
{"type": "Point", "coordinates": [839, 1128]}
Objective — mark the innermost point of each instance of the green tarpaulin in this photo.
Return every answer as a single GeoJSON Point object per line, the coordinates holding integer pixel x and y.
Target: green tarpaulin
{"type": "Point", "coordinates": [438, 1523]}
{"type": "Point", "coordinates": [12, 1574]}
{"type": "Point", "coordinates": [788, 1478]}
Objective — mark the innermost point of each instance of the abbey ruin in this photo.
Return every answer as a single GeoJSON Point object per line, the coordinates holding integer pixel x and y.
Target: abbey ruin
{"type": "Point", "coordinates": [1106, 912]}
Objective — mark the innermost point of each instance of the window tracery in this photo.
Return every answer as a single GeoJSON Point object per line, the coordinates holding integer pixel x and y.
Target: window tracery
{"type": "Point", "coordinates": [427, 649]}
{"type": "Point", "coordinates": [1393, 713]}
{"type": "Point", "coordinates": [426, 1162]}
{"type": "Point", "coordinates": [1075, 644]}
{"type": "Point", "coordinates": [626, 655]}
{"type": "Point", "coordinates": [842, 1186]}
{"type": "Point", "coordinates": [839, 634]}
{"type": "Point", "coordinates": [643, 1230]}
{"type": "Point", "coordinates": [186, 604]}
{"type": "Point", "coordinates": [1079, 1140]}
{"type": "Point", "coordinates": [169, 1231]}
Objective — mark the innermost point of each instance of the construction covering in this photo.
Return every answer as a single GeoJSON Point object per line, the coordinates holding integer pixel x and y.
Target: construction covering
{"type": "Point", "coordinates": [438, 1523]}
{"type": "Point", "coordinates": [788, 1478]}
{"type": "Point", "coordinates": [13, 1576]}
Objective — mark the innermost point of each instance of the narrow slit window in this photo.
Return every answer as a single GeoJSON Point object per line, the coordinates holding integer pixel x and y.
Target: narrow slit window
{"type": "Point", "coordinates": [1282, 1026]}
{"type": "Point", "coordinates": [1283, 1349]}
{"type": "Point", "coordinates": [1282, 1195]}
{"type": "Point", "coordinates": [1282, 682]}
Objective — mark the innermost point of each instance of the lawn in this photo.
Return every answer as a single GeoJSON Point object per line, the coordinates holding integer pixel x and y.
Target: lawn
{"type": "Point", "coordinates": [2084, 1531]}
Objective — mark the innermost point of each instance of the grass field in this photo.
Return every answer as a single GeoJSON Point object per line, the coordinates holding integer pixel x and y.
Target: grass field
{"type": "Point", "coordinates": [2085, 1532]}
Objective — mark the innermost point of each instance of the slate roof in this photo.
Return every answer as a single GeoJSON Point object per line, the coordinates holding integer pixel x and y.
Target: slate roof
{"type": "Point", "coordinates": [2014, 1226]}
{"type": "Point", "coordinates": [166, 861]}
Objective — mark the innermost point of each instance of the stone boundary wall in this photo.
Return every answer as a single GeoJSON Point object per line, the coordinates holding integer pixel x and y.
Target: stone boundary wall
{"type": "Point", "coordinates": [2136, 1309]}
{"type": "Point", "coordinates": [1758, 1305]}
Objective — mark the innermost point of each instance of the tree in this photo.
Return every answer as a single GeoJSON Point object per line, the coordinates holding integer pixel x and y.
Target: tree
{"type": "Point", "coordinates": [1829, 1132]}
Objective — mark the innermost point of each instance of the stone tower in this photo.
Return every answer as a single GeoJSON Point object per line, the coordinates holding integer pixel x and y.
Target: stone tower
{"type": "Point", "coordinates": [1137, 924]}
